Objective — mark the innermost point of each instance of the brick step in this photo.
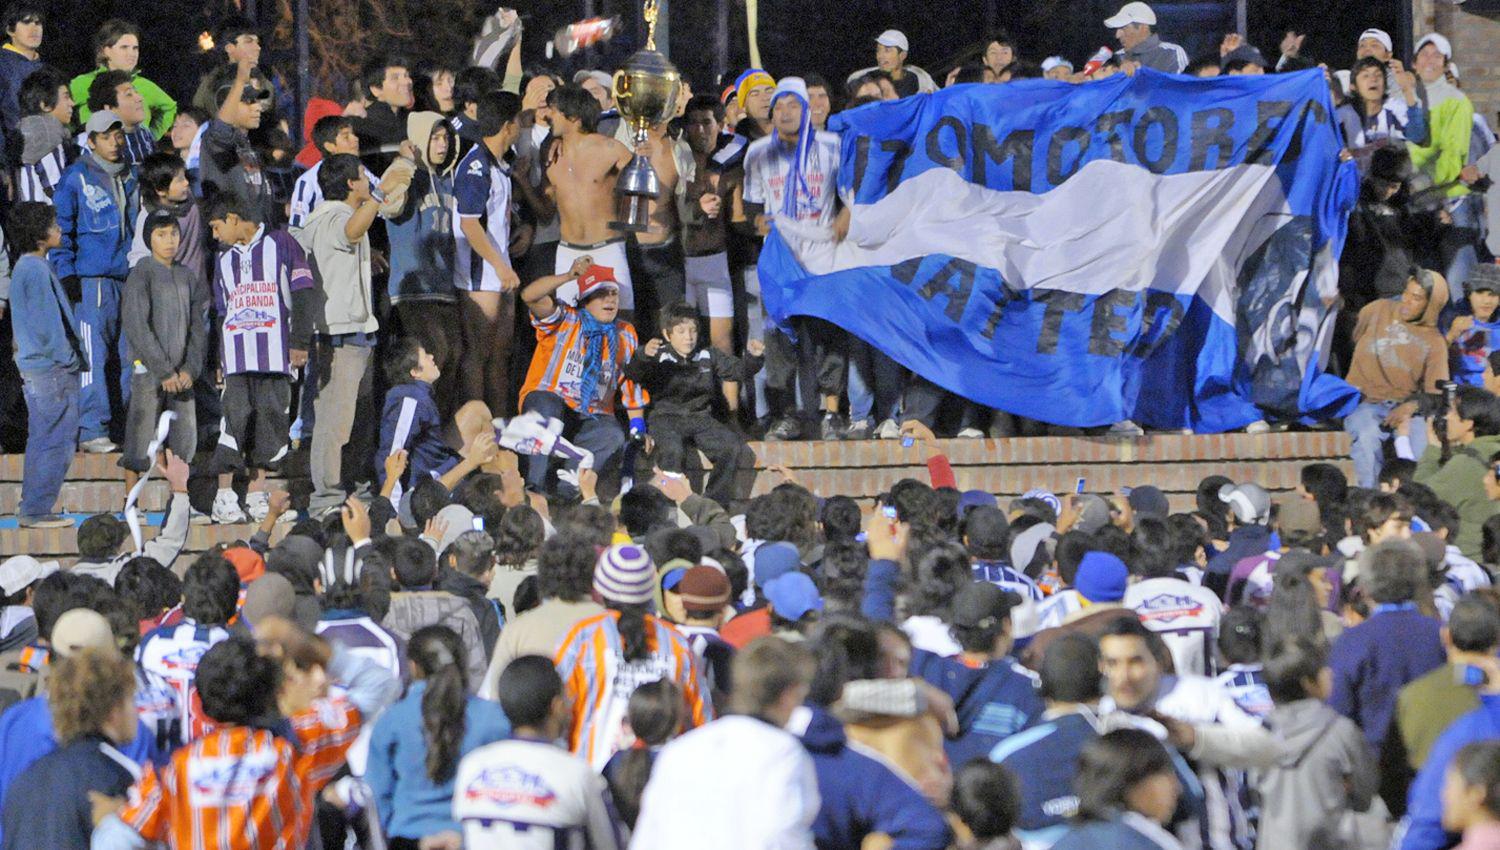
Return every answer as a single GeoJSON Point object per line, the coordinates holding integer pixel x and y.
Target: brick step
{"type": "Point", "coordinates": [62, 543]}
{"type": "Point", "coordinates": [90, 497]}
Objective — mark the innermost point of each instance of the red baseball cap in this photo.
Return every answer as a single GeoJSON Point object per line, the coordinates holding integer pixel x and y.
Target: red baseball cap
{"type": "Point", "coordinates": [596, 279]}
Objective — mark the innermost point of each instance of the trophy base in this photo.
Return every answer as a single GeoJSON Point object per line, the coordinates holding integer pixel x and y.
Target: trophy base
{"type": "Point", "coordinates": [633, 213]}
{"type": "Point", "coordinates": [629, 227]}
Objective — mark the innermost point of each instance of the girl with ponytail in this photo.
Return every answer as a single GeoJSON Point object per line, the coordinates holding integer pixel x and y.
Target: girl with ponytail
{"type": "Point", "coordinates": [416, 745]}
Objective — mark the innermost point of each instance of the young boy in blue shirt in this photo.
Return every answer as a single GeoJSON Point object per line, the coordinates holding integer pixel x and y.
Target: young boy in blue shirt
{"type": "Point", "coordinates": [1471, 339]}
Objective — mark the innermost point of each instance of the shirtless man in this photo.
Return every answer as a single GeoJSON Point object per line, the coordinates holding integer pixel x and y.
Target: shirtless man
{"type": "Point", "coordinates": [661, 255]}
{"type": "Point", "coordinates": [708, 282]}
{"type": "Point", "coordinates": [582, 167]}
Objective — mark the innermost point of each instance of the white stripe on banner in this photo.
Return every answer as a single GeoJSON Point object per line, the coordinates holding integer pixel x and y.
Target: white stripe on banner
{"type": "Point", "coordinates": [1111, 226]}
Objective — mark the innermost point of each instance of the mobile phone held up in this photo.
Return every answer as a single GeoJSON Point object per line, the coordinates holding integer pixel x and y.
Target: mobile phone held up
{"type": "Point", "coordinates": [1078, 487]}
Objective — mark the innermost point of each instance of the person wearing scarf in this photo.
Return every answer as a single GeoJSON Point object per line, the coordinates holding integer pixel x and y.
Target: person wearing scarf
{"type": "Point", "coordinates": [579, 364]}
{"type": "Point", "coordinates": [790, 186]}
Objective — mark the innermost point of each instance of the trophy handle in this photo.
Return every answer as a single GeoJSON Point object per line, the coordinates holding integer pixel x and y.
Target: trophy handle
{"type": "Point", "coordinates": [619, 87]}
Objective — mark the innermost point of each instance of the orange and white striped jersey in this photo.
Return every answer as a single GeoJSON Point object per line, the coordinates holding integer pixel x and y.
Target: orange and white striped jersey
{"type": "Point", "coordinates": [557, 366]}
{"type": "Point", "coordinates": [599, 681]}
{"type": "Point", "coordinates": [244, 788]}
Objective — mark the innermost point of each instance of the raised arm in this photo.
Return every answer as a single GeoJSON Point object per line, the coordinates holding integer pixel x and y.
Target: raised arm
{"type": "Point", "coordinates": [538, 293]}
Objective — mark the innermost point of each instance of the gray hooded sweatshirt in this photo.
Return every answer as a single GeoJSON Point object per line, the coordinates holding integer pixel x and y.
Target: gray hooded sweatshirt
{"type": "Point", "coordinates": [1325, 771]}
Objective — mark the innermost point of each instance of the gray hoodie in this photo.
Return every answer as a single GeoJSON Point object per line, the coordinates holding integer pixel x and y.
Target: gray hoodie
{"type": "Point", "coordinates": [1324, 771]}
{"type": "Point", "coordinates": [164, 316]}
{"type": "Point", "coordinates": [342, 268]}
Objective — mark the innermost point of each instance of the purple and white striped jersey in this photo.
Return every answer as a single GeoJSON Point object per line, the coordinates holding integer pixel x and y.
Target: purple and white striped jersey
{"type": "Point", "coordinates": [253, 287]}
{"type": "Point", "coordinates": [37, 181]}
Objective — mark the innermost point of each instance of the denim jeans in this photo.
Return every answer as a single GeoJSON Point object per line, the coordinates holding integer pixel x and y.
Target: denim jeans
{"type": "Point", "coordinates": [601, 435]}
{"type": "Point", "coordinates": [52, 420]}
{"type": "Point", "coordinates": [1458, 246]}
{"type": "Point", "coordinates": [1367, 426]}
{"type": "Point", "coordinates": [101, 413]}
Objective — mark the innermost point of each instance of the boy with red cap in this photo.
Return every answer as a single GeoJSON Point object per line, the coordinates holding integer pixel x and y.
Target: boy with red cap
{"type": "Point", "coordinates": [579, 364]}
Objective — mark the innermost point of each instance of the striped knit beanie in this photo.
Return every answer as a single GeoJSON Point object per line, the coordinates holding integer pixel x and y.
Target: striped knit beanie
{"type": "Point", "coordinates": [625, 574]}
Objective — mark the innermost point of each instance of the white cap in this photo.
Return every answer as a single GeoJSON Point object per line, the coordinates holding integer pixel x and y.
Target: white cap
{"type": "Point", "coordinates": [599, 77]}
{"type": "Point", "coordinates": [18, 572]}
{"type": "Point", "coordinates": [790, 85]}
{"type": "Point", "coordinates": [1453, 69]}
{"type": "Point", "coordinates": [1055, 62]}
{"type": "Point", "coordinates": [1444, 46]}
{"type": "Point", "coordinates": [1132, 13]}
{"type": "Point", "coordinates": [1379, 35]}
{"type": "Point", "coordinates": [893, 38]}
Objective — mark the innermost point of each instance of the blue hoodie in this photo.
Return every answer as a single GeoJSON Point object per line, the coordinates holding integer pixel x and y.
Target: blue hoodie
{"type": "Point", "coordinates": [1423, 827]}
{"type": "Point", "coordinates": [96, 233]}
{"type": "Point", "coordinates": [993, 702]}
{"type": "Point", "coordinates": [862, 794]}
{"type": "Point", "coordinates": [411, 421]}
{"type": "Point", "coordinates": [409, 803]}
{"type": "Point", "coordinates": [1047, 756]}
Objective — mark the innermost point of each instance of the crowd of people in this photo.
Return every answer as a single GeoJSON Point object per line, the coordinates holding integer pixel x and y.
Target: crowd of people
{"type": "Point", "coordinates": [517, 611]}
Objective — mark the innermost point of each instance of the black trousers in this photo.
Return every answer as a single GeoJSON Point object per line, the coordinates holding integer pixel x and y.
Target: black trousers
{"type": "Point", "coordinates": [814, 366]}
{"type": "Point", "coordinates": [660, 278]}
{"type": "Point", "coordinates": [675, 434]}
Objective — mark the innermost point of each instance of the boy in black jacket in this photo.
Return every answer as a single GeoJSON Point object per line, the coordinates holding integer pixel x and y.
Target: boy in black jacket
{"type": "Point", "coordinates": [683, 381]}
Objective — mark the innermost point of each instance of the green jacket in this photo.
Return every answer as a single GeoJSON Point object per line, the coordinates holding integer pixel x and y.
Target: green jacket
{"type": "Point", "coordinates": [161, 109]}
{"type": "Point", "coordinates": [1450, 121]}
{"type": "Point", "coordinates": [1460, 483]}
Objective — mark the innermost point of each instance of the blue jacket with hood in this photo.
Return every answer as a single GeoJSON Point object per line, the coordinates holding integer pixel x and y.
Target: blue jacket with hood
{"type": "Point", "coordinates": [862, 794]}
{"type": "Point", "coordinates": [96, 232]}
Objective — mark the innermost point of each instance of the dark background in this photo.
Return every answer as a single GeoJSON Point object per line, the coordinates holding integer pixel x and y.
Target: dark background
{"type": "Point", "coordinates": [796, 36]}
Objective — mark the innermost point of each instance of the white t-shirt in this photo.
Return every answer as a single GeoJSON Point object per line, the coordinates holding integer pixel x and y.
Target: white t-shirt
{"type": "Point", "coordinates": [768, 162]}
{"type": "Point", "coordinates": [1184, 614]}
{"type": "Point", "coordinates": [531, 795]}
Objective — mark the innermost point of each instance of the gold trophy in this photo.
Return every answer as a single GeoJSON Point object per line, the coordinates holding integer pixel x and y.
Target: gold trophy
{"type": "Point", "coordinates": [646, 90]}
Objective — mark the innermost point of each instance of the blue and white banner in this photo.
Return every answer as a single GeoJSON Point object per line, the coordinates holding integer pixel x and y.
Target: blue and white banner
{"type": "Point", "coordinates": [1157, 248]}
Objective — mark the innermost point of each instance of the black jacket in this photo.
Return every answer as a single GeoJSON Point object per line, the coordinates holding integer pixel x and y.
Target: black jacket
{"type": "Point", "coordinates": [691, 386]}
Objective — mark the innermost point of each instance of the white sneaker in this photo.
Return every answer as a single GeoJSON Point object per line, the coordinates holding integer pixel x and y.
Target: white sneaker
{"type": "Point", "coordinates": [1126, 428]}
{"type": "Point", "coordinates": [971, 434]}
{"type": "Point", "coordinates": [227, 508]}
{"type": "Point", "coordinates": [197, 517]}
{"type": "Point", "coordinates": [259, 505]}
{"type": "Point", "coordinates": [888, 430]}
{"type": "Point", "coordinates": [97, 446]}
{"type": "Point", "coordinates": [1259, 426]}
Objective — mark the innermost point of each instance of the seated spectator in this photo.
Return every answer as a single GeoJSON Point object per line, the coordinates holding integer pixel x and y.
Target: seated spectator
{"type": "Point", "coordinates": [1325, 770]}
{"type": "Point", "coordinates": [579, 365]}
{"type": "Point", "coordinates": [416, 745]}
{"type": "Point", "coordinates": [684, 381]}
{"type": "Point", "coordinates": [496, 801]}
{"type": "Point", "coordinates": [1471, 338]}
{"type": "Point", "coordinates": [91, 695]}
{"type": "Point", "coordinates": [1398, 354]}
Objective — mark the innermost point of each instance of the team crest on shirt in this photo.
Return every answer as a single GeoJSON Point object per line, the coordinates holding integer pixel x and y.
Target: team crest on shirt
{"type": "Point", "coordinates": [225, 781]}
{"type": "Point", "coordinates": [1166, 607]}
{"type": "Point", "coordinates": [476, 168]}
{"type": "Point", "coordinates": [185, 658]}
{"type": "Point", "coordinates": [510, 786]}
{"type": "Point", "coordinates": [249, 320]}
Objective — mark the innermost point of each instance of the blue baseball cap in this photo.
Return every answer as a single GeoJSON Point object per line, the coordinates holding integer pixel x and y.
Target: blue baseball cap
{"type": "Point", "coordinates": [793, 595]}
{"type": "Point", "coordinates": [1101, 577]}
{"type": "Point", "coordinates": [773, 560]}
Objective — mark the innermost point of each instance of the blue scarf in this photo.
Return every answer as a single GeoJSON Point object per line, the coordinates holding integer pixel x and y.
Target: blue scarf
{"type": "Point", "coordinates": [595, 333]}
{"type": "Point", "coordinates": [798, 194]}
